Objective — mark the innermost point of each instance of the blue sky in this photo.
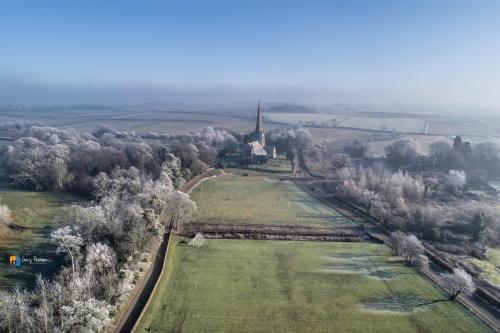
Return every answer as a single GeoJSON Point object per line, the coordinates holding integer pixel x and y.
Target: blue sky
{"type": "Point", "coordinates": [441, 51]}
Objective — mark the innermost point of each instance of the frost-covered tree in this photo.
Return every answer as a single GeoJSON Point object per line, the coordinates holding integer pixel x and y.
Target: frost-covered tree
{"type": "Point", "coordinates": [456, 179]}
{"type": "Point", "coordinates": [90, 219]}
{"type": "Point", "coordinates": [180, 208]}
{"type": "Point", "coordinates": [7, 306]}
{"type": "Point", "coordinates": [408, 247]}
{"type": "Point", "coordinates": [89, 315]}
{"type": "Point", "coordinates": [100, 264]}
{"type": "Point", "coordinates": [44, 313]}
{"type": "Point", "coordinates": [173, 169]}
{"type": "Point", "coordinates": [356, 148]}
{"type": "Point", "coordinates": [422, 261]}
{"type": "Point", "coordinates": [402, 152]}
{"type": "Point", "coordinates": [70, 241]}
{"type": "Point", "coordinates": [15, 312]}
{"type": "Point", "coordinates": [5, 214]}
{"type": "Point", "coordinates": [458, 282]}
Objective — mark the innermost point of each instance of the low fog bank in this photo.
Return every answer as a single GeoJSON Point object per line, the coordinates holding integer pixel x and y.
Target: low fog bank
{"type": "Point", "coordinates": [15, 92]}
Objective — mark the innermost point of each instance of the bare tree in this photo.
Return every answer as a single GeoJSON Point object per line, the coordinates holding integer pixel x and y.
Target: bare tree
{"type": "Point", "coordinates": [402, 152]}
{"type": "Point", "coordinates": [408, 247]}
{"type": "Point", "coordinates": [456, 179]}
{"type": "Point", "coordinates": [44, 313]}
{"type": "Point", "coordinates": [5, 214]}
{"type": "Point", "coordinates": [180, 207]}
{"type": "Point", "coordinates": [101, 266]}
{"type": "Point", "coordinates": [70, 243]}
{"type": "Point", "coordinates": [7, 304]}
{"type": "Point", "coordinates": [458, 282]}
{"type": "Point", "coordinates": [356, 148]}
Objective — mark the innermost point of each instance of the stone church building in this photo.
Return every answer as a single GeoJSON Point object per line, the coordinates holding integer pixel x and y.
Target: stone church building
{"type": "Point", "coordinates": [257, 145]}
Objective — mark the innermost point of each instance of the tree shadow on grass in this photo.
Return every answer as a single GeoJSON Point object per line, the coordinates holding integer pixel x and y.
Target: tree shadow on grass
{"type": "Point", "coordinates": [398, 302]}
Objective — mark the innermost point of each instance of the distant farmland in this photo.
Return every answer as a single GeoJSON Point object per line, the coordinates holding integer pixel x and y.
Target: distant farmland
{"type": "Point", "coordinates": [178, 120]}
{"type": "Point", "coordinates": [400, 124]}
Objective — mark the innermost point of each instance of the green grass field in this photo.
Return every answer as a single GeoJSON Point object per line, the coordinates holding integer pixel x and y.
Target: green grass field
{"type": "Point", "coordinates": [261, 200]}
{"type": "Point", "coordinates": [285, 286]}
{"type": "Point", "coordinates": [36, 214]}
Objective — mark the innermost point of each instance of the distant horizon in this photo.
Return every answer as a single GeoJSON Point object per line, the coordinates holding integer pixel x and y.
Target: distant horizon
{"type": "Point", "coordinates": [230, 107]}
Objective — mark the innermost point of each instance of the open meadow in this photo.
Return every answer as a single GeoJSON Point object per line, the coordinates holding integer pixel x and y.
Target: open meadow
{"type": "Point", "coordinates": [400, 124]}
{"type": "Point", "coordinates": [261, 200]}
{"type": "Point", "coordinates": [286, 286]}
{"type": "Point", "coordinates": [35, 215]}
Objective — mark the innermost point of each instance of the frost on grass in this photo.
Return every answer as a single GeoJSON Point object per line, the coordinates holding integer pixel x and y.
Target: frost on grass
{"type": "Point", "coordinates": [373, 266]}
{"type": "Point", "coordinates": [384, 274]}
{"type": "Point", "coordinates": [400, 303]}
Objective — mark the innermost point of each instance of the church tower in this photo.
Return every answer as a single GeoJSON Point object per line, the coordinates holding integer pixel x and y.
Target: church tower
{"type": "Point", "coordinates": [259, 128]}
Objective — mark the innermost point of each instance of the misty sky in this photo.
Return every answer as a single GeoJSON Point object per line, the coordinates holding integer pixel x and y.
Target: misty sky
{"type": "Point", "coordinates": [410, 51]}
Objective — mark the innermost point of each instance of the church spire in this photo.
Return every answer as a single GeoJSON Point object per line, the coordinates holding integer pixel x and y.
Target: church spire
{"type": "Point", "coordinates": [259, 127]}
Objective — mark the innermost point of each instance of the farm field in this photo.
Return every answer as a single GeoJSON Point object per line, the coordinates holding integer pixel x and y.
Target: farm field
{"type": "Point", "coordinates": [177, 123]}
{"type": "Point", "coordinates": [286, 286]}
{"type": "Point", "coordinates": [261, 200]}
{"type": "Point", "coordinates": [142, 121]}
{"type": "Point", "coordinates": [466, 126]}
{"type": "Point", "coordinates": [299, 118]}
{"type": "Point", "coordinates": [401, 124]}
{"type": "Point", "coordinates": [35, 216]}
{"type": "Point", "coordinates": [412, 125]}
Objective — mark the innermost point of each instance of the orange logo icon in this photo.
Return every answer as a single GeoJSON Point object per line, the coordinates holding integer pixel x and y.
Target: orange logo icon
{"type": "Point", "coordinates": [15, 261]}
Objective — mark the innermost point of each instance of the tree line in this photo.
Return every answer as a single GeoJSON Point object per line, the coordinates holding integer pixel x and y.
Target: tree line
{"type": "Point", "coordinates": [425, 195]}
{"type": "Point", "coordinates": [133, 186]}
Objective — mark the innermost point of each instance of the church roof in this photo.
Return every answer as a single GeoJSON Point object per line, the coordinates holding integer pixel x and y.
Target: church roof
{"type": "Point", "coordinates": [256, 149]}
